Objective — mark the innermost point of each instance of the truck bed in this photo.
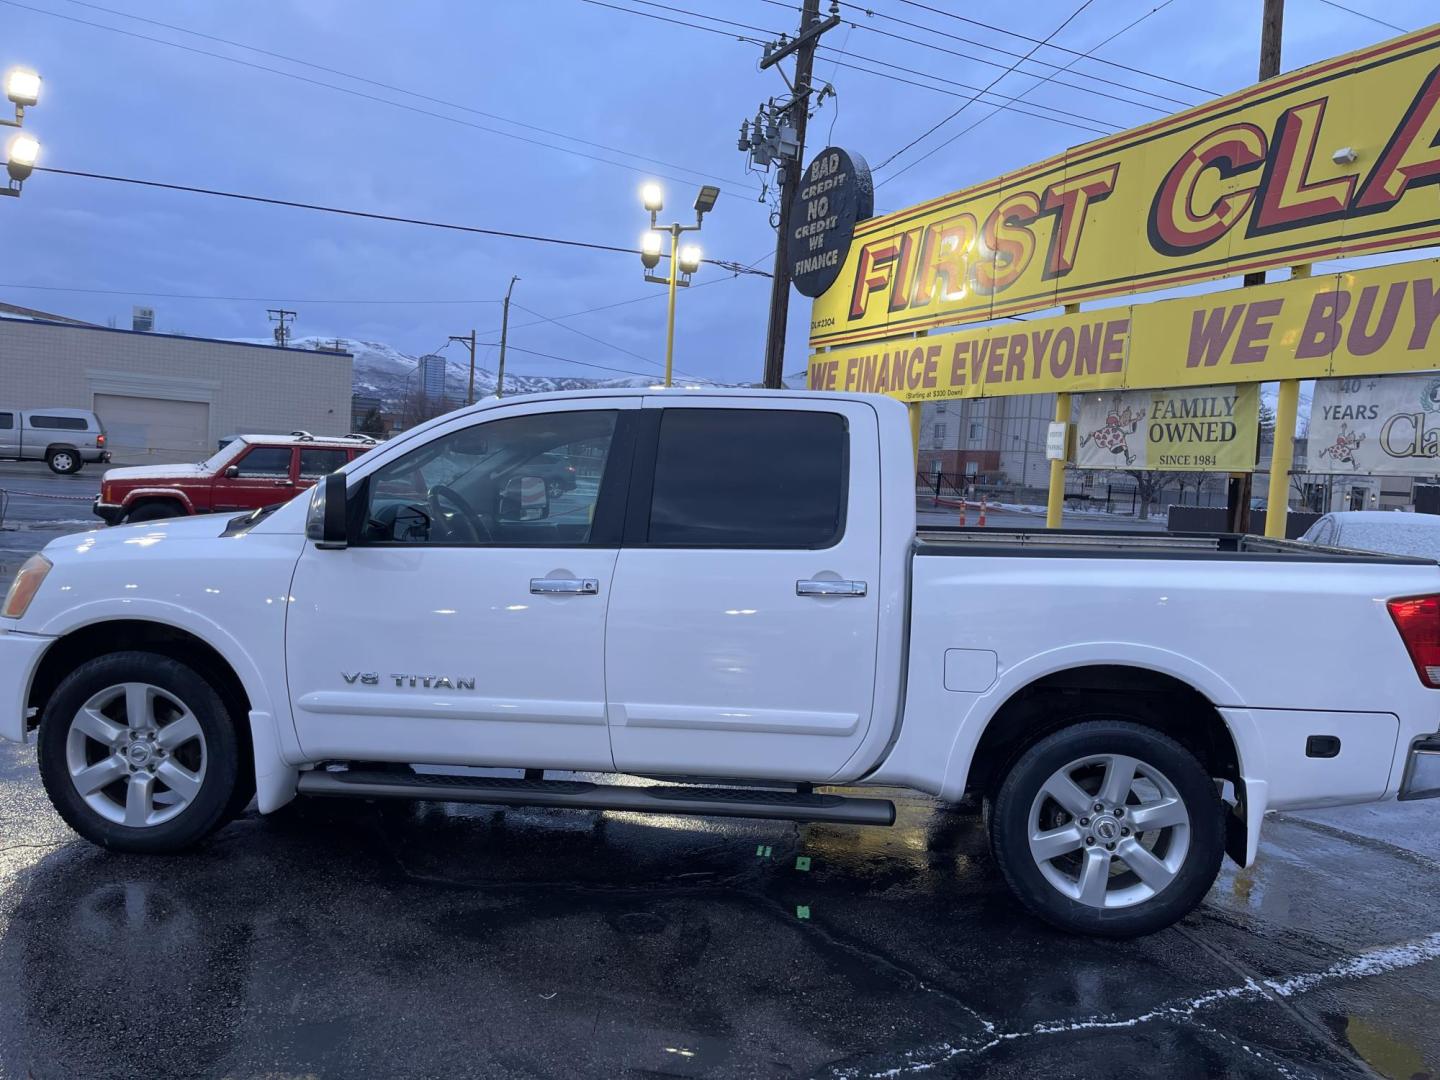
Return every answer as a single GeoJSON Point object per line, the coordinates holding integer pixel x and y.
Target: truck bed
{"type": "Point", "coordinates": [1122, 544]}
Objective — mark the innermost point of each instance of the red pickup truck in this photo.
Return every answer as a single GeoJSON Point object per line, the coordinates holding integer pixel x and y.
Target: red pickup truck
{"type": "Point", "coordinates": [249, 472]}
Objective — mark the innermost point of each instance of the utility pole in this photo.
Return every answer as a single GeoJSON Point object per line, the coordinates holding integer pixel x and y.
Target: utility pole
{"type": "Point", "coordinates": [504, 332]}
{"type": "Point", "coordinates": [282, 332]}
{"type": "Point", "coordinates": [803, 46]}
{"type": "Point", "coordinates": [469, 342]}
{"type": "Point", "coordinates": [1272, 22]}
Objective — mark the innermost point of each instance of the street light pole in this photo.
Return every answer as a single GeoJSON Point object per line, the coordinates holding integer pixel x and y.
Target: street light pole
{"type": "Point", "coordinates": [683, 261]}
{"type": "Point", "coordinates": [670, 317]}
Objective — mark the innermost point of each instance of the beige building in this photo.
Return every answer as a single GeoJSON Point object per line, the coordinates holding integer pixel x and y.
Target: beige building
{"type": "Point", "coordinates": [166, 398]}
{"type": "Point", "coordinates": [997, 440]}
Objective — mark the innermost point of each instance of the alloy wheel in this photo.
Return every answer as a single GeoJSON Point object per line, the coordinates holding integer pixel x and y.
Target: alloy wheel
{"type": "Point", "coordinates": [1109, 831]}
{"type": "Point", "coordinates": [136, 754]}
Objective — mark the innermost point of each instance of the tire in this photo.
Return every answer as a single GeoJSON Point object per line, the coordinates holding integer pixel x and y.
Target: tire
{"type": "Point", "coordinates": [181, 735]}
{"type": "Point", "coordinates": [64, 462]}
{"type": "Point", "coordinates": [154, 511]}
{"type": "Point", "coordinates": [1113, 882]}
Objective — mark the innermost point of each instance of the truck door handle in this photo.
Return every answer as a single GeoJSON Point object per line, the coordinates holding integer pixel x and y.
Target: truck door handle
{"type": "Point", "coordinates": [824, 587]}
{"type": "Point", "coordinates": [547, 586]}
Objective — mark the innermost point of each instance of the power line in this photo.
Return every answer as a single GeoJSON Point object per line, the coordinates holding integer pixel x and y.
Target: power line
{"type": "Point", "coordinates": [1108, 129]}
{"type": "Point", "coordinates": [597, 340]}
{"type": "Point", "coordinates": [1045, 42]}
{"type": "Point", "coordinates": [838, 63]}
{"type": "Point", "coordinates": [677, 22]}
{"type": "Point", "coordinates": [1123, 30]}
{"type": "Point", "coordinates": [236, 299]}
{"type": "Point", "coordinates": [936, 127]}
{"type": "Point", "coordinates": [367, 214]}
{"type": "Point", "coordinates": [400, 90]}
{"type": "Point", "coordinates": [993, 48]}
{"type": "Point", "coordinates": [360, 94]}
{"type": "Point", "coordinates": [581, 363]}
{"type": "Point", "coordinates": [991, 63]}
{"type": "Point", "coordinates": [1365, 15]}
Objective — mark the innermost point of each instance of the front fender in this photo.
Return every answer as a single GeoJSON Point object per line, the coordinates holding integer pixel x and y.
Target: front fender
{"type": "Point", "coordinates": [183, 618]}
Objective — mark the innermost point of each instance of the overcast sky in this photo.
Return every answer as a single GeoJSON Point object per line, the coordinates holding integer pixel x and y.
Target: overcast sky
{"type": "Point", "coordinates": [120, 104]}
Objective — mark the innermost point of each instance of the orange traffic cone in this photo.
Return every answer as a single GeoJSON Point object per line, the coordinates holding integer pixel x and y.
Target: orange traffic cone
{"type": "Point", "coordinates": [962, 512]}
{"type": "Point", "coordinates": [981, 522]}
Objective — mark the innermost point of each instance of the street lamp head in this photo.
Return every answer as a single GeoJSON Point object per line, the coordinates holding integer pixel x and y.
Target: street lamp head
{"type": "Point", "coordinates": [22, 153]}
{"type": "Point", "coordinates": [650, 249]}
{"type": "Point", "coordinates": [705, 201]}
{"type": "Point", "coordinates": [22, 86]}
{"type": "Point", "coordinates": [690, 258]}
{"type": "Point", "coordinates": [652, 197]}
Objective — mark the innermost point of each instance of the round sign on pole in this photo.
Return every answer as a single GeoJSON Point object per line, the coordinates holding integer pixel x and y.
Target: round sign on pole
{"type": "Point", "coordinates": [834, 193]}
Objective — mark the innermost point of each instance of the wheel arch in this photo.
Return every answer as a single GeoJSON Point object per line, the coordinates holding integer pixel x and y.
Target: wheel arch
{"type": "Point", "coordinates": [139, 496]}
{"type": "Point", "coordinates": [104, 636]}
{"type": "Point", "coordinates": [1163, 690]}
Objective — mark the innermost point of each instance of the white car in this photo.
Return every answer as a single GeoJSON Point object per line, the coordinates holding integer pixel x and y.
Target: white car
{"type": "Point", "coordinates": [740, 599]}
{"type": "Point", "coordinates": [1378, 530]}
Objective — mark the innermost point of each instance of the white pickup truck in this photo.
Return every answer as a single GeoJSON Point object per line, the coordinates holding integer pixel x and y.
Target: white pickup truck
{"type": "Point", "coordinates": [732, 601]}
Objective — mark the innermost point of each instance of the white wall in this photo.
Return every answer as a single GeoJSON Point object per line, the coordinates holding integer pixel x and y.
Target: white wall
{"type": "Point", "coordinates": [248, 388]}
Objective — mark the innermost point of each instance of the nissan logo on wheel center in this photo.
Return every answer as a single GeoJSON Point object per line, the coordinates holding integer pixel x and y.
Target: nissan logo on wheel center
{"type": "Point", "coordinates": [835, 192]}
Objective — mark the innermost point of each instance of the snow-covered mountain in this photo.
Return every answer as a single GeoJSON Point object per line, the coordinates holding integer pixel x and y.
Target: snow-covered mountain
{"type": "Point", "coordinates": [383, 371]}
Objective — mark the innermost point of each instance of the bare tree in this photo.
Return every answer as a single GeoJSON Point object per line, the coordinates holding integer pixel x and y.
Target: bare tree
{"type": "Point", "coordinates": [416, 406]}
{"type": "Point", "coordinates": [1149, 485]}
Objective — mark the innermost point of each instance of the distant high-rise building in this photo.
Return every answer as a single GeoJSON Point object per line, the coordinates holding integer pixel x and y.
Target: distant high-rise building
{"type": "Point", "coordinates": [432, 376]}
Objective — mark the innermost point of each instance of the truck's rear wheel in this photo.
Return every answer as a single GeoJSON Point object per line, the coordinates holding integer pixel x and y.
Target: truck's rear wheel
{"type": "Point", "coordinates": [64, 461]}
{"type": "Point", "coordinates": [138, 753]}
{"type": "Point", "coordinates": [1108, 827]}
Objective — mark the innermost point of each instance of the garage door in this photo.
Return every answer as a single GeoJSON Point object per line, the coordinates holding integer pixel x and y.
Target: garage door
{"type": "Point", "coordinates": [143, 429]}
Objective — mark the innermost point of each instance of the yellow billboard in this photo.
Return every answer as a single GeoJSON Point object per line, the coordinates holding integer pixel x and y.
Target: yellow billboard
{"type": "Point", "coordinates": [1339, 158]}
{"type": "Point", "coordinates": [1374, 321]}
{"type": "Point", "coordinates": [1198, 428]}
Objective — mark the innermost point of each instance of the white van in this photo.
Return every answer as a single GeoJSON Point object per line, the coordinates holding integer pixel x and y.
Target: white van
{"type": "Point", "coordinates": [65, 439]}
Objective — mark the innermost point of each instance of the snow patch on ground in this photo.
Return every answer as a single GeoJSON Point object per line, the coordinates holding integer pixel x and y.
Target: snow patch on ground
{"type": "Point", "coordinates": [1368, 964]}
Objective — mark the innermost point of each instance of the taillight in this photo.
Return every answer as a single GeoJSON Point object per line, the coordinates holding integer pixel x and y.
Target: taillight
{"type": "Point", "coordinates": [1418, 620]}
{"type": "Point", "coordinates": [100, 440]}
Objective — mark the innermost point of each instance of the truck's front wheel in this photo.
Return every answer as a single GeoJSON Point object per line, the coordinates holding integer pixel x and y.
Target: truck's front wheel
{"type": "Point", "coordinates": [138, 753]}
{"type": "Point", "coordinates": [1108, 827]}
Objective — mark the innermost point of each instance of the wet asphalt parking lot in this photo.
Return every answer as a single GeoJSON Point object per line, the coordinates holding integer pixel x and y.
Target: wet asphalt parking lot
{"type": "Point", "coordinates": [354, 939]}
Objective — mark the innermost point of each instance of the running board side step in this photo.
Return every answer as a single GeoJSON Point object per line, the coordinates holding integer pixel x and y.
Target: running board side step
{"type": "Point", "coordinates": [580, 795]}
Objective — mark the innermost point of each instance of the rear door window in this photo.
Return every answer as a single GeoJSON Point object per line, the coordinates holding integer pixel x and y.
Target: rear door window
{"type": "Point", "coordinates": [271, 462]}
{"type": "Point", "coordinates": [749, 478]}
{"type": "Point", "coordinates": [317, 461]}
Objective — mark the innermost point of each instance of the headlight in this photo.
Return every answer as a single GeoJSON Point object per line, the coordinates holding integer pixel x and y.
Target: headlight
{"type": "Point", "coordinates": [26, 584]}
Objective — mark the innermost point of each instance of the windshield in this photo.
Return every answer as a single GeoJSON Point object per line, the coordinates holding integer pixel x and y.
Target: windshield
{"type": "Point", "coordinates": [227, 453]}
{"type": "Point", "coordinates": [1400, 538]}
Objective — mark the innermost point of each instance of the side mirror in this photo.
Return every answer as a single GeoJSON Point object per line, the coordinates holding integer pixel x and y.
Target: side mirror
{"type": "Point", "coordinates": [325, 523]}
{"type": "Point", "coordinates": [524, 498]}
{"type": "Point", "coordinates": [232, 471]}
